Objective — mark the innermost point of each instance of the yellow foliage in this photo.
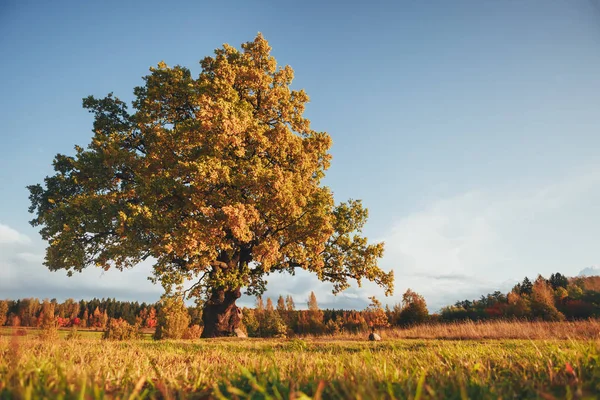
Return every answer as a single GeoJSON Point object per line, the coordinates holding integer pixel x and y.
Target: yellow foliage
{"type": "Point", "coordinates": [216, 178]}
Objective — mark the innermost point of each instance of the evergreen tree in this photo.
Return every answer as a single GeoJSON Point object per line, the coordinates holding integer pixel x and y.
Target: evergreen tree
{"type": "Point", "coordinates": [260, 306]}
{"type": "Point", "coordinates": [270, 307]}
{"type": "Point", "coordinates": [289, 303]}
{"type": "Point", "coordinates": [272, 325]}
{"type": "Point", "coordinates": [558, 280]}
{"type": "Point", "coordinates": [315, 315]}
{"type": "Point", "coordinates": [526, 287]}
{"type": "Point", "coordinates": [280, 304]}
{"type": "Point", "coordinates": [312, 302]}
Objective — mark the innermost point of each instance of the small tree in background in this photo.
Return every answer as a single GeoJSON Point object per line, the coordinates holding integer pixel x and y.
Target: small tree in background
{"type": "Point", "coordinates": [104, 319]}
{"type": "Point", "coordinates": [151, 320]}
{"type": "Point", "coordinates": [334, 326]}
{"type": "Point", "coordinates": [173, 318]}
{"type": "Point", "coordinates": [259, 315]}
{"type": "Point", "coordinates": [282, 311]}
{"type": "Point", "coordinates": [290, 316]}
{"type": "Point", "coordinates": [272, 323]}
{"type": "Point", "coordinates": [518, 306]}
{"type": "Point", "coordinates": [97, 319]}
{"type": "Point", "coordinates": [84, 319]}
{"type": "Point", "coordinates": [558, 280]}
{"type": "Point", "coordinates": [120, 329]}
{"type": "Point", "coordinates": [280, 304]}
{"type": "Point", "coordinates": [542, 301]}
{"type": "Point", "coordinates": [193, 332]}
{"type": "Point", "coordinates": [73, 333]}
{"type": "Point", "coordinates": [375, 314]}
{"type": "Point", "coordinates": [289, 303]}
{"type": "Point", "coordinates": [48, 321]}
{"type": "Point", "coordinates": [251, 322]}
{"type": "Point", "coordinates": [3, 312]}
{"type": "Point", "coordinates": [414, 309]}
{"type": "Point", "coordinates": [315, 315]}
{"type": "Point", "coordinates": [312, 303]}
{"type": "Point", "coordinates": [260, 305]}
{"type": "Point", "coordinates": [560, 294]}
{"type": "Point", "coordinates": [575, 291]}
{"type": "Point", "coordinates": [524, 288]}
{"type": "Point", "coordinates": [270, 307]}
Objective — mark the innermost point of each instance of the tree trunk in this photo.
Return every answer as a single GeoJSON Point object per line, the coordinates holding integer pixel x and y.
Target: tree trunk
{"type": "Point", "coordinates": [221, 316]}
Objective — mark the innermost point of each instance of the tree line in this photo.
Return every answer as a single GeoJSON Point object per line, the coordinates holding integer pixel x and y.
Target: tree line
{"type": "Point", "coordinates": [554, 299]}
{"type": "Point", "coordinates": [95, 313]}
{"type": "Point", "coordinates": [265, 319]}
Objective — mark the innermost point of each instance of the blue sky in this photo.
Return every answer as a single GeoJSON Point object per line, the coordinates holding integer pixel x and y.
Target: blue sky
{"type": "Point", "coordinates": [468, 128]}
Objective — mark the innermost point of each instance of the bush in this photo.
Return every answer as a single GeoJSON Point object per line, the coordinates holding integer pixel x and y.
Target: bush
{"type": "Point", "coordinates": [49, 334]}
{"type": "Point", "coordinates": [173, 319]}
{"type": "Point", "coordinates": [250, 322]}
{"type": "Point", "coordinates": [49, 322]}
{"type": "Point", "coordinates": [333, 327]}
{"type": "Point", "coordinates": [119, 329]}
{"type": "Point", "coordinates": [193, 332]}
{"type": "Point", "coordinates": [274, 325]}
{"type": "Point", "coordinates": [73, 334]}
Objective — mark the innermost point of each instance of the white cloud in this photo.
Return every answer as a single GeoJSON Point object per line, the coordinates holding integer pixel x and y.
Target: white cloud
{"type": "Point", "coordinates": [30, 257]}
{"type": "Point", "coordinates": [10, 236]}
{"type": "Point", "coordinates": [22, 274]}
{"type": "Point", "coordinates": [482, 240]}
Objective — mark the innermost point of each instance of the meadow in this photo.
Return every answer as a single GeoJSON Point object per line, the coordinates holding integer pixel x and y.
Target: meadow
{"type": "Point", "coordinates": [562, 360]}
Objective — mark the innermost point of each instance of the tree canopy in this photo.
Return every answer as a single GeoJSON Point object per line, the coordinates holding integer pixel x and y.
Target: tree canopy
{"type": "Point", "coordinates": [215, 178]}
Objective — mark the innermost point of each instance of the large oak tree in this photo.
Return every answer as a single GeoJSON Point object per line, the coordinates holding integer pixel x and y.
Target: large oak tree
{"type": "Point", "coordinates": [217, 179]}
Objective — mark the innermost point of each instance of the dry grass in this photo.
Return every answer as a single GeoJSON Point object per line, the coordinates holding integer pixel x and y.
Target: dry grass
{"type": "Point", "coordinates": [347, 368]}
{"type": "Point", "coordinates": [538, 330]}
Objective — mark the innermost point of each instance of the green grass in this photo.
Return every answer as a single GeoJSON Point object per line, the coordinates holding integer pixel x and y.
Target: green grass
{"type": "Point", "coordinates": [282, 369]}
{"type": "Point", "coordinates": [62, 332]}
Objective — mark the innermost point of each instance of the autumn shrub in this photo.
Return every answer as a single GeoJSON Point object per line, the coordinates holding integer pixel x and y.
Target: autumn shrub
{"type": "Point", "coordinates": [251, 322]}
{"type": "Point", "coordinates": [119, 329]}
{"type": "Point", "coordinates": [274, 325]}
{"type": "Point", "coordinates": [49, 322]}
{"type": "Point", "coordinates": [73, 333]}
{"type": "Point", "coordinates": [542, 302]}
{"type": "Point", "coordinates": [334, 326]}
{"type": "Point", "coordinates": [173, 318]}
{"type": "Point", "coordinates": [264, 323]}
{"type": "Point", "coordinates": [375, 315]}
{"type": "Point", "coordinates": [193, 332]}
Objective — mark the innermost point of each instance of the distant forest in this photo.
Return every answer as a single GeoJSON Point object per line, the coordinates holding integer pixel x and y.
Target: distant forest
{"type": "Point", "coordinates": [554, 299]}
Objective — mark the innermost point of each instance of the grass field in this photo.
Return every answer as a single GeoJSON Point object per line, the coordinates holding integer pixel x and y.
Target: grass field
{"type": "Point", "coordinates": [63, 333]}
{"type": "Point", "coordinates": [91, 368]}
